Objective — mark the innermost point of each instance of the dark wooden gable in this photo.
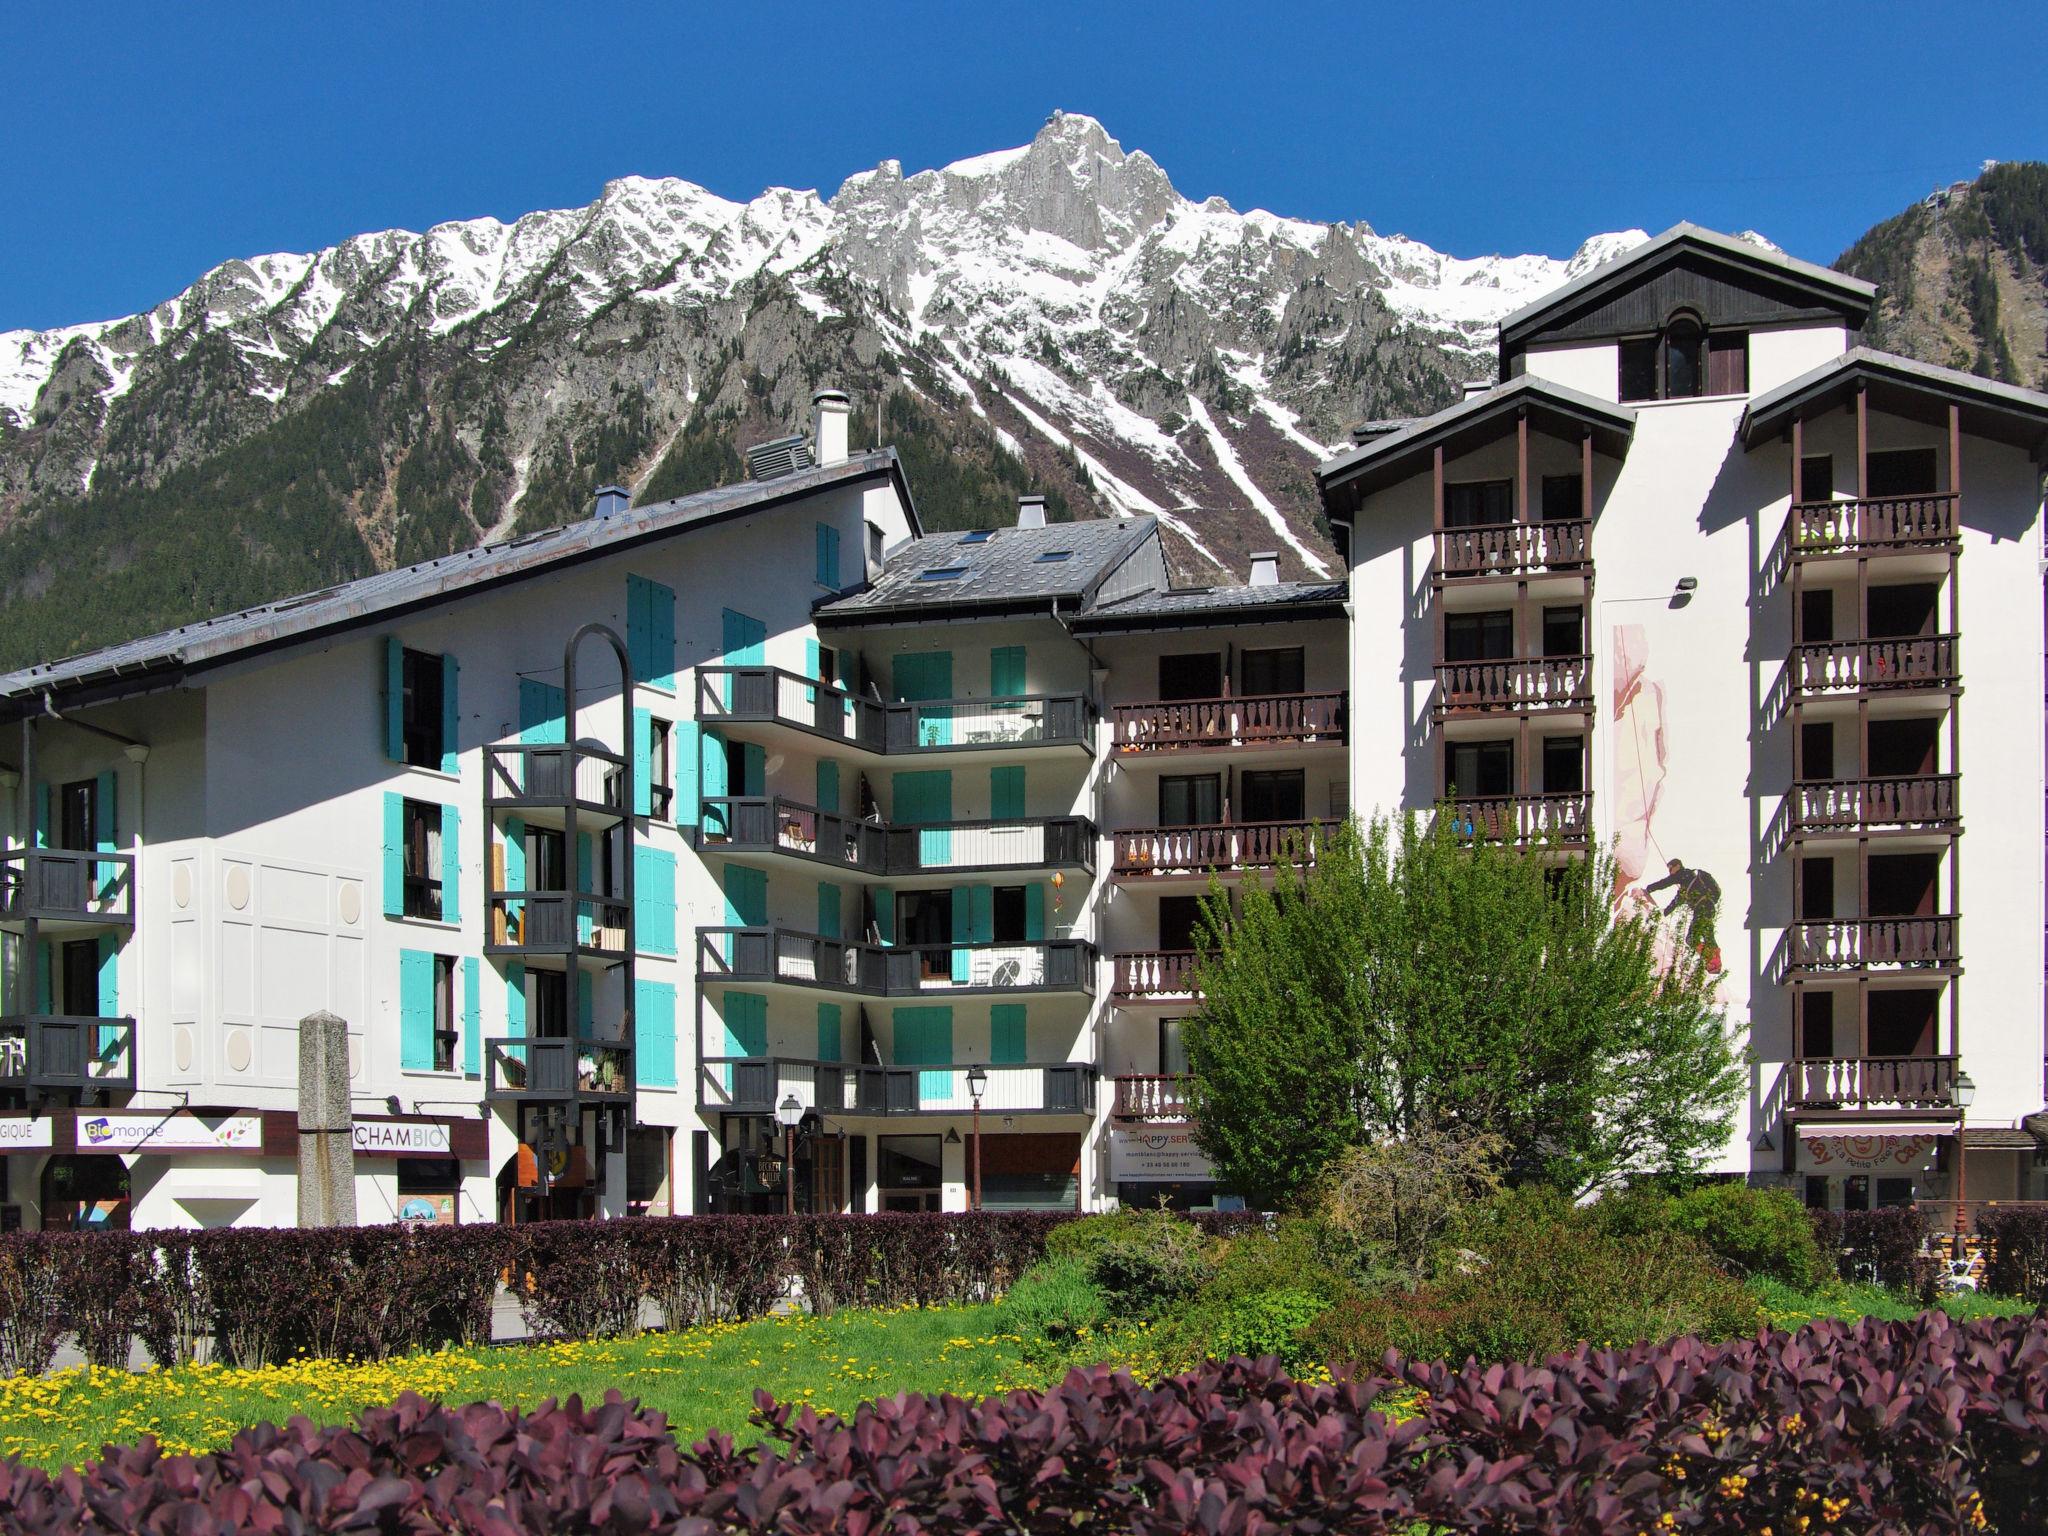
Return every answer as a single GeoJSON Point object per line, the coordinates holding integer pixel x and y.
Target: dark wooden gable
{"type": "Point", "coordinates": [1721, 292]}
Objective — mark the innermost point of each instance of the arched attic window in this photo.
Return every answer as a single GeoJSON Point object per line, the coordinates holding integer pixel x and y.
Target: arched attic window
{"type": "Point", "coordinates": [1684, 360]}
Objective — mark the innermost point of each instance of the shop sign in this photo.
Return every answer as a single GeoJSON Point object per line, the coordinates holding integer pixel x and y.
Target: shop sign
{"type": "Point", "coordinates": [180, 1131]}
{"type": "Point", "coordinates": [24, 1134]}
{"type": "Point", "coordinates": [427, 1211]}
{"type": "Point", "coordinates": [1158, 1154]}
{"type": "Point", "coordinates": [1866, 1152]}
{"type": "Point", "coordinates": [401, 1138]}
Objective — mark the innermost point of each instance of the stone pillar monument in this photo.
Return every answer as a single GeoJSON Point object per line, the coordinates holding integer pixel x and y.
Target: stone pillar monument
{"type": "Point", "coordinates": [327, 1154]}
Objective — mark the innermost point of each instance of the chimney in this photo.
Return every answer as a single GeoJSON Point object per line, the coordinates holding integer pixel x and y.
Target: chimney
{"type": "Point", "coordinates": [1476, 387]}
{"type": "Point", "coordinates": [1266, 568]}
{"type": "Point", "coordinates": [1030, 511]}
{"type": "Point", "coordinates": [612, 501]}
{"type": "Point", "coordinates": [831, 410]}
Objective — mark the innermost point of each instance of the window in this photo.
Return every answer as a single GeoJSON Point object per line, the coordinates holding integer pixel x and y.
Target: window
{"type": "Point", "coordinates": [1684, 361]}
{"type": "Point", "coordinates": [445, 1013]}
{"type": "Point", "coordinates": [1479, 636]}
{"type": "Point", "coordinates": [1270, 672]}
{"type": "Point", "coordinates": [1816, 889]}
{"type": "Point", "coordinates": [1173, 1048]}
{"type": "Point", "coordinates": [1191, 675]}
{"type": "Point", "coordinates": [1192, 800]}
{"type": "Point", "coordinates": [907, 1171]}
{"type": "Point", "coordinates": [1179, 918]}
{"type": "Point", "coordinates": [1817, 749]}
{"type": "Point", "coordinates": [78, 991]}
{"type": "Point", "coordinates": [421, 720]}
{"type": "Point", "coordinates": [1478, 503]}
{"type": "Point", "coordinates": [547, 1001]}
{"type": "Point", "coordinates": [1728, 363]}
{"type": "Point", "coordinates": [1007, 911]}
{"type": "Point", "coordinates": [1902, 1021]}
{"type": "Point", "coordinates": [422, 856]}
{"type": "Point", "coordinates": [429, 1175]}
{"type": "Point", "coordinates": [545, 866]}
{"type": "Point", "coordinates": [874, 546]}
{"type": "Point", "coordinates": [944, 573]}
{"type": "Point", "coordinates": [1817, 477]}
{"type": "Point", "coordinates": [978, 536]}
{"type": "Point", "coordinates": [661, 790]}
{"type": "Point", "coordinates": [1564, 498]}
{"type": "Point", "coordinates": [1054, 556]}
{"type": "Point", "coordinates": [76, 812]}
{"type": "Point", "coordinates": [1817, 1024]}
{"type": "Point", "coordinates": [1564, 765]}
{"type": "Point", "coordinates": [924, 919]}
{"type": "Point", "coordinates": [1564, 631]}
{"type": "Point", "coordinates": [1480, 769]}
{"type": "Point", "coordinates": [1902, 472]}
{"type": "Point", "coordinates": [1903, 608]}
{"type": "Point", "coordinates": [1684, 358]}
{"type": "Point", "coordinates": [1271, 796]}
{"type": "Point", "coordinates": [1816, 614]}
{"type": "Point", "coordinates": [1639, 369]}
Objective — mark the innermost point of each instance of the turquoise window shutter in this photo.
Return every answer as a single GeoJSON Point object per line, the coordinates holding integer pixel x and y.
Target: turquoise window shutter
{"type": "Point", "coordinates": [394, 854]}
{"type": "Point", "coordinates": [981, 913]}
{"type": "Point", "coordinates": [717, 820]}
{"type": "Point", "coordinates": [585, 880]}
{"type": "Point", "coordinates": [585, 1011]}
{"type": "Point", "coordinates": [746, 897]}
{"type": "Point", "coordinates": [1006, 672]}
{"type": "Point", "coordinates": [515, 999]}
{"type": "Point", "coordinates": [828, 786]}
{"type": "Point", "coordinates": [1034, 911]}
{"type": "Point", "coordinates": [106, 836]}
{"type": "Point", "coordinates": [1007, 1042]}
{"type": "Point", "coordinates": [472, 1016]}
{"type": "Point", "coordinates": [813, 660]}
{"type": "Point", "coordinates": [746, 1024]}
{"type": "Point", "coordinates": [885, 915]}
{"type": "Point", "coordinates": [394, 698]}
{"type": "Point", "coordinates": [753, 769]}
{"type": "Point", "coordinates": [963, 933]}
{"type": "Point", "coordinates": [828, 556]}
{"type": "Point", "coordinates": [924, 1038]}
{"type": "Point", "coordinates": [515, 853]}
{"type": "Point", "coordinates": [639, 644]}
{"type": "Point", "coordinates": [920, 675]}
{"type": "Point", "coordinates": [643, 763]}
{"type": "Point", "coordinates": [451, 864]}
{"type": "Point", "coordinates": [828, 1032]}
{"type": "Point", "coordinates": [745, 639]}
{"type": "Point", "coordinates": [654, 1031]}
{"type": "Point", "coordinates": [687, 751]}
{"type": "Point", "coordinates": [661, 636]}
{"type": "Point", "coordinates": [654, 900]}
{"type": "Point", "coordinates": [922, 797]}
{"type": "Point", "coordinates": [829, 906]}
{"type": "Point", "coordinates": [108, 1043]}
{"type": "Point", "coordinates": [540, 713]}
{"type": "Point", "coordinates": [1006, 794]}
{"type": "Point", "coordinates": [415, 1010]}
{"type": "Point", "coordinates": [451, 716]}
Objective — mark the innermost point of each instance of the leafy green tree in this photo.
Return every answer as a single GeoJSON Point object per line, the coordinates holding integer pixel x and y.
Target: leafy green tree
{"type": "Point", "coordinates": [1409, 980]}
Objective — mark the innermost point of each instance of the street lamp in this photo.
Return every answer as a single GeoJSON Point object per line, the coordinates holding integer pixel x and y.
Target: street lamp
{"type": "Point", "coordinates": [788, 1113]}
{"type": "Point", "coordinates": [1966, 1095]}
{"type": "Point", "coordinates": [977, 1085]}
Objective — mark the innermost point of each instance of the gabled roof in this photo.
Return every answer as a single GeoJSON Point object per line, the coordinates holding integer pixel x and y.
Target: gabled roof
{"type": "Point", "coordinates": [1193, 607]}
{"type": "Point", "coordinates": [1000, 571]}
{"type": "Point", "coordinates": [1477, 419]}
{"type": "Point", "coordinates": [1905, 387]}
{"type": "Point", "coordinates": [1825, 286]}
{"type": "Point", "coordinates": [165, 659]}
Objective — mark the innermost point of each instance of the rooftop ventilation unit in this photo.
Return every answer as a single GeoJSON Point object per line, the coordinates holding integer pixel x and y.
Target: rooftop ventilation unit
{"type": "Point", "coordinates": [783, 456]}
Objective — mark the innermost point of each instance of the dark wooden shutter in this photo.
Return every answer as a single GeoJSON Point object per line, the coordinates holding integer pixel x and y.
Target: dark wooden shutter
{"type": "Point", "coordinates": [1728, 363]}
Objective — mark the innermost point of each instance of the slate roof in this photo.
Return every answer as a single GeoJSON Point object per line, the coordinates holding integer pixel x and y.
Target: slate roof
{"type": "Point", "coordinates": [1000, 569]}
{"type": "Point", "coordinates": [214, 641]}
{"type": "Point", "coordinates": [1192, 606]}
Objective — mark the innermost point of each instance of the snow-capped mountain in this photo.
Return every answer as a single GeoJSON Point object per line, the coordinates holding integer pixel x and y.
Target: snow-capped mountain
{"type": "Point", "coordinates": [1055, 315]}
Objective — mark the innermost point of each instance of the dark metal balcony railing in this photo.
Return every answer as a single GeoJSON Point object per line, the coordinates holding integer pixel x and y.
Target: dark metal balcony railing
{"type": "Point", "coordinates": [1838, 944]}
{"type": "Point", "coordinates": [757, 1085]}
{"type": "Point", "coordinates": [554, 775]}
{"type": "Point", "coordinates": [1150, 1096]}
{"type": "Point", "coordinates": [67, 1053]}
{"type": "Point", "coordinates": [1848, 805]}
{"type": "Point", "coordinates": [773, 696]}
{"type": "Point", "coordinates": [770, 695]}
{"type": "Point", "coordinates": [1281, 719]}
{"type": "Point", "coordinates": [1533, 683]}
{"type": "Point", "coordinates": [760, 824]}
{"type": "Point", "coordinates": [1564, 818]}
{"type": "Point", "coordinates": [1506, 549]}
{"type": "Point", "coordinates": [881, 970]}
{"type": "Point", "coordinates": [1822, 667]}
{"type": "Point", "coordinates": [558, 1069]}
{"type": "Point", "coordinates": [1232, 846]}
{"type": "Point", "coordinates": [556, 922]}
{"type": "Point", "coordinates": [1876, 526]}
{"type": "Point", "coordinates": [63, 885]}
{"type": "Point", "coordinates": [1156, 973]}
{"type": "Point", "coordinates": [1873, 1082]}
{"type": "Point", "coordinates": [942, 725]}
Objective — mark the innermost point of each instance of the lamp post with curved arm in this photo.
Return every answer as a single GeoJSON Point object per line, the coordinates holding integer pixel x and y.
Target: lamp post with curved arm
{"type": "Point", "coordinates": [977, 1085]}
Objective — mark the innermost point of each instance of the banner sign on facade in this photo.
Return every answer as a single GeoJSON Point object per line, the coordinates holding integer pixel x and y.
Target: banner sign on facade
{"type": "Point", "coordinates": [23, 1134]}
{"type": "Point", "coordinates": [1161, 1154]}
{"type": "Point", "coordinates": [179, 1131]}
{"type": "Point", "coordinates": [402, 1138]}
{"type": "Point", "coordinates": [1852, 1153]}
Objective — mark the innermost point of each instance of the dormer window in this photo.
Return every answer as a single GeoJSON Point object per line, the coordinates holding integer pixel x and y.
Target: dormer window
{"type": "Point", "coordinates": [1684, 361]}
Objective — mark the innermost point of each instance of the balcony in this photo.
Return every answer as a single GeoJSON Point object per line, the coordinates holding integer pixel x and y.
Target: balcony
{"type": "Point", "coordinates": [781, 955]}
{"type": "Point", "coordinates": [1919, 803]}
{"type": "Point", "coordinates": [53, 885]}
{"type": "Point", "coordinates": [1194, 725]}
{"type": "Point", "coordinates": [540, 780]}
{"type": "Point", "coordinates": [1562, 684]}
{"type": "Point", "coordinates": [1156, 975]}
{"type": "Point", "coordinates": [1822, 669]}
{"type": "Point", "coordinates": [538, 1069]}
{"type": "Point", "coordinates": [772, 696]}
{"type": "Point", "coordinates": [553, 926]}
{"type": "Point", "coordinates": [51, 1053]}
{"type": "Point", "coordinates": [1879, 526]}
{"type": "Point", "coordinates": [1156, 852]}
{"type": "Point", "coordinates": [1563, 819]}
{"type": "Point", "coordinates": [1150, 1096]}
{"type": "Point", "coordinates": [756, 1085]}
{"type": "Point", "coordinates": [1514, 549]}
{"type": "Point", "coordinates": [1872, 1082]}
{"type": "Point", "coordinates": [1854, 944]}
{"type": "Point", "coordinates": [759, 825]}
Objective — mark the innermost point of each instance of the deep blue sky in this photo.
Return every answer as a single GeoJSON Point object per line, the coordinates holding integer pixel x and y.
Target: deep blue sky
{"type": "Point", "coordinates": [143, 144]}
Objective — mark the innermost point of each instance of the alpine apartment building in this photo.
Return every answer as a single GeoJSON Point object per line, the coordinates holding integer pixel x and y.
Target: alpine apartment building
{"type": "Point", "coordinates": [763, 848]}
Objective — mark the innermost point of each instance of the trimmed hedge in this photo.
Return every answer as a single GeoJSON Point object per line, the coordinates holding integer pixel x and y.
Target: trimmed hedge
{"type": "Point", "coordinates": [254, 1295]}
{"type": "Point", "coordinates": [1922, 1427]}
{"type": "Point", "coordinates": [2017, 1237]}
{"type": "Point", "coordinates": [1882, 1246]}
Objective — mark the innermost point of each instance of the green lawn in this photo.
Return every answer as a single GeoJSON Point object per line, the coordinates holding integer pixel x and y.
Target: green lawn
{"type": "Point", "coordinates": [1785, 1307]}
